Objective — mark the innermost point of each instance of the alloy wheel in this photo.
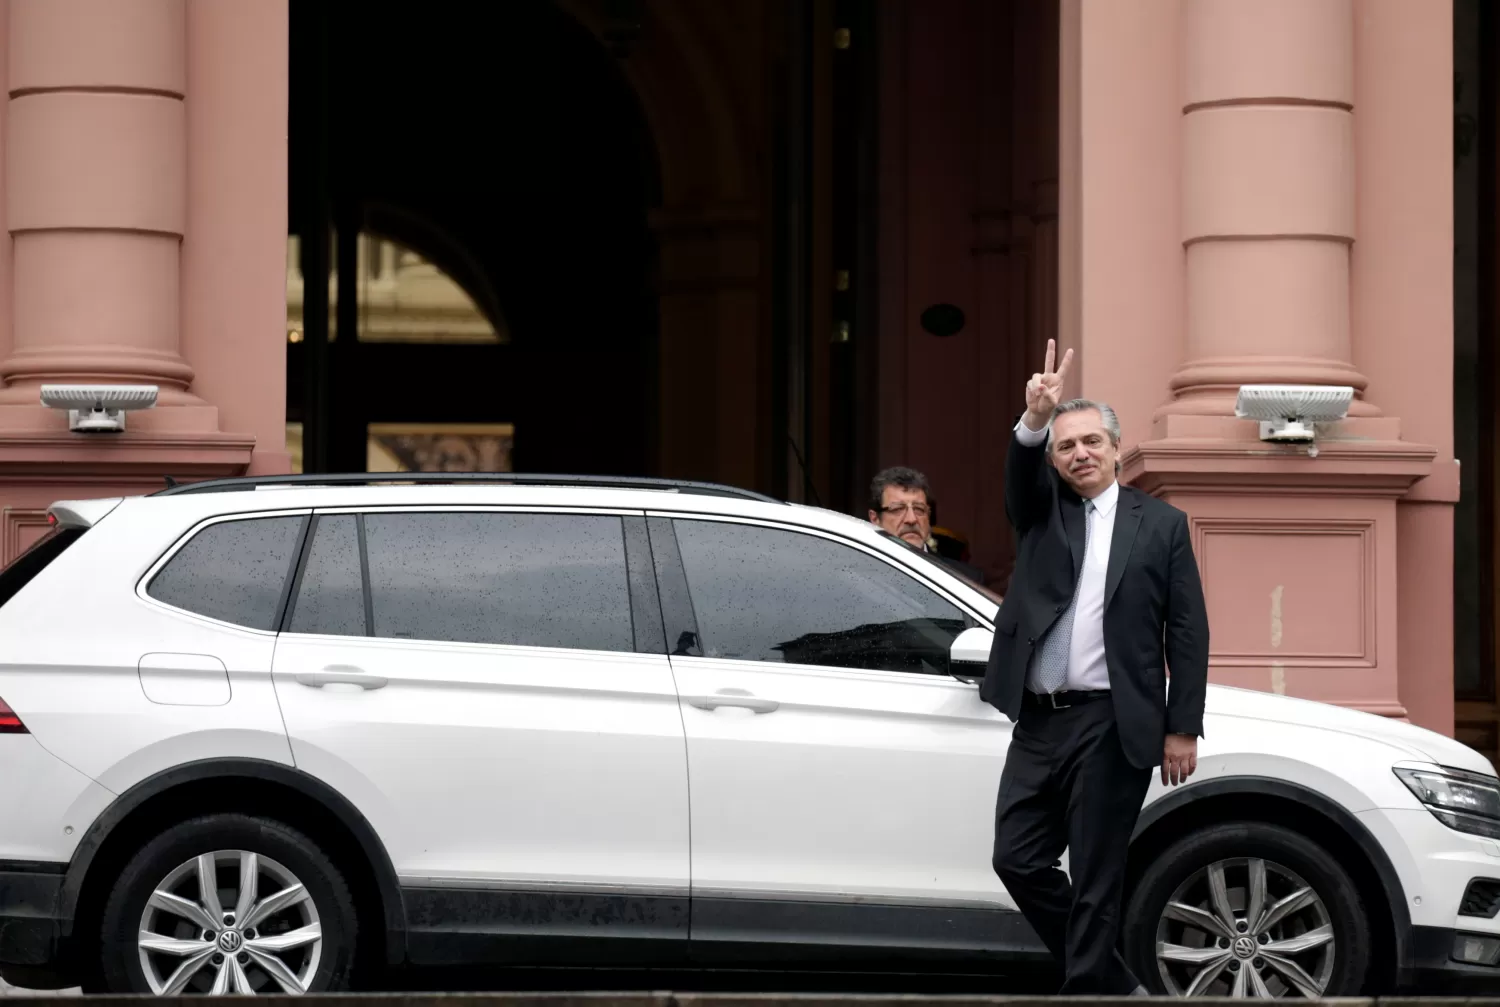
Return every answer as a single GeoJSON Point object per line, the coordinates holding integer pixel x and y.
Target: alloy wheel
{"type": "Point", "coordinates": [230, 922]}
{"type": "Point", "coordinates": [1245, 928]}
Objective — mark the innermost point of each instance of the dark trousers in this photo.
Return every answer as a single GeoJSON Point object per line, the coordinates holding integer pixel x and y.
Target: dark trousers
{"type": "Point", "coordinates": [1067, 784]}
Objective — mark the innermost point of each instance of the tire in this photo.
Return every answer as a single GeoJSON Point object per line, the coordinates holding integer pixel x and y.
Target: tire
{"type": "Point", "coordinates": [1336, 959]}
{"type": "Point", "coordinates": [313, 937]}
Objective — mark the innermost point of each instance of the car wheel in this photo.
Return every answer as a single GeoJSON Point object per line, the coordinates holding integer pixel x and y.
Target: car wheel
{"type": "Point", "coordinates": [1247, 909]}
{"type": "Point", "coordinates": [224, 904]}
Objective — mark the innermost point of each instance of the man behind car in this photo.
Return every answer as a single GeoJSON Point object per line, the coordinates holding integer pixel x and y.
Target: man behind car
{"type": "Point", "coordinates": [901, 503]}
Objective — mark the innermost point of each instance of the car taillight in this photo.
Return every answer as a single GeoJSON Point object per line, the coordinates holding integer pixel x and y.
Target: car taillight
{"type": "Point", "coordinates": [9, 722]}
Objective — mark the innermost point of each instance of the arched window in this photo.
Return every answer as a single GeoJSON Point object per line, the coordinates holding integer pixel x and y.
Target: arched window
{"type": "Point", "coordinates": [403, 297]}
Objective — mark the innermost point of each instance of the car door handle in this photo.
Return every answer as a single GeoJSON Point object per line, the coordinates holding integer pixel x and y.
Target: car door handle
{"type": "Point", "coordinates": [341, 675]}
{"type": "Point", "coordinates": [738, 700]}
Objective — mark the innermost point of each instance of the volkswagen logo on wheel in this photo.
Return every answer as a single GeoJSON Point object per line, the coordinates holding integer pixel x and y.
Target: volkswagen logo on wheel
{"type": "Point", "coordinates": [1244, 947]}
{"type": "Point", "coordinates": [230, 942]}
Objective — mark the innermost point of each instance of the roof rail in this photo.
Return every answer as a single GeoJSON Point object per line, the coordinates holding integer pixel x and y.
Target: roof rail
{"type": "Point", "coordinates": [511, 478]}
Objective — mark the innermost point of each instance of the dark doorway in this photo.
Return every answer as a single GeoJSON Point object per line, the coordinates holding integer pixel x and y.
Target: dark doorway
{"type": "Point", "coordinates": [500, 146]}
{"type": "Point", "coordinates": [1476, 372]}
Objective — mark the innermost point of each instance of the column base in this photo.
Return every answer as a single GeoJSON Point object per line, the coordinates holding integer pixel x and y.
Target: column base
{"type": "Point", "coordinates": [1210, 387]}
{"type": "Point", "coordinates": [39, 468]}
{"type": "Point", "coordinates": [1297, 550]}
{"type": "Point", "coordinates": [166, 420]}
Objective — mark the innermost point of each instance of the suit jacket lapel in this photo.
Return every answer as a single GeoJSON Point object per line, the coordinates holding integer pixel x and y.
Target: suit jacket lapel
{"type": "Point", "coordinates": [1127, 523]}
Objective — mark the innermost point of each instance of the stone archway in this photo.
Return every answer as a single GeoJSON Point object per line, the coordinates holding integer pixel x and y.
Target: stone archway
{"type": "Point", "coordinates": [698, 71]}
{"type": "Point", "coordinates": [438, 247]}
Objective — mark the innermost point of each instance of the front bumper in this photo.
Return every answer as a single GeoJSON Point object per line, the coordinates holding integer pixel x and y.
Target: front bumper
{"type": "Point", "coordinates": [30, 910]}
{"type": "Point", "coordinates": [1436, 972]}
{"type": "Point", "coordinates": [1434, 865]}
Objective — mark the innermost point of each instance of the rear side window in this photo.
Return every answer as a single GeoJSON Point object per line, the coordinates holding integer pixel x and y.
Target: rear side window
{"type": "Point", "coordinates": [24, 568]}
{"type": "Point", "coordinates": [535, 580]}
{"type": "Point", "coordinates": [234, 571]}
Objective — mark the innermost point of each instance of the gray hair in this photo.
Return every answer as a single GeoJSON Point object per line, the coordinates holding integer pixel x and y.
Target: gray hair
{"type": "Point", "coordinates": [1106, 414]}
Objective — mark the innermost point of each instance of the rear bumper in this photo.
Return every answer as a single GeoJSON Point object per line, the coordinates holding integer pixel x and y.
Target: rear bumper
{"type": "Point", "coordinates": [1435, 972]}
{"type": "Point", "coordinates": [30, 911]}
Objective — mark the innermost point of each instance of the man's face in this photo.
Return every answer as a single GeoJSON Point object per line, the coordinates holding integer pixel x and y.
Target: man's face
{"type": "Point", "coordinates": [1082, 452]}
{"type": "Point", "coordinates": [905, 514]}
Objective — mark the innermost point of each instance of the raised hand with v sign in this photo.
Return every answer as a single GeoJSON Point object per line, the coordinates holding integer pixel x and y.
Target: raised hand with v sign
{"type": "Point", "coordinates": [1044, 390]}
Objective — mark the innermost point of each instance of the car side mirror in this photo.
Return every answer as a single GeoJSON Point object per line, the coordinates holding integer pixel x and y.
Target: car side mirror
{"type": "Point", "coordinates": [970, 655]}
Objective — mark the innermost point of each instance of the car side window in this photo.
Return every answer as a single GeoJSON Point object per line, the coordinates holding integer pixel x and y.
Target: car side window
{"type": "Point", "coordinates": [768, 594]}
{"type": "Point", "coordinates": [537, 580]}
{"type": "Point", "coordinates": [234, 571]}
{"type": "Point", "coordinates": [331, 596]}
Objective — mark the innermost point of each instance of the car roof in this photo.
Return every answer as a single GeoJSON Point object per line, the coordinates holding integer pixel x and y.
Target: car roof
{"type": "Point", "coordinates": [251, 495]}
{"type": "Point", "coordinates": [449, 478]}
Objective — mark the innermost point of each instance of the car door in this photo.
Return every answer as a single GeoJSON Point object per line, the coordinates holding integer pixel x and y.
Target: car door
{"type": "Point", "coordinates": [843, 782]}
{"type": "Point", "coordinates": [490, 688]}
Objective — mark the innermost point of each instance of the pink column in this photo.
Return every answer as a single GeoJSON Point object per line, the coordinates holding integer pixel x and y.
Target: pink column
{"type": "Point", "coordinates": [1119, 237]}
{"type": "Point", "coordinates": [234, 252]}
{"type": "Point", "coordinates": [102, 184]}
{"type": "Point", "coordinates": [1267, 198]}
{"type": "Point", "coordinates": [1402, 308]}
{"type": "Point", "coordinates": [1230, 123]}
{"type": "Point", "coordinates": [96, 178]}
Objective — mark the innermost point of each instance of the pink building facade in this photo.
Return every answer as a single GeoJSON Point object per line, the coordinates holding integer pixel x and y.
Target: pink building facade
{"type": "Point", "coordinates": [1246, 191]}
{"type": "Point", "coordinates": [1291, 221]}
{"type": "Point", "coordinates": [1206, 193]}
{"type": "Point", "coordinates": [144, 178]}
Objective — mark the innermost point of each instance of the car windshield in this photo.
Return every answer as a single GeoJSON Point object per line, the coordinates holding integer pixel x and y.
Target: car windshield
{"type": "Point", "coordinates": [928, 557]}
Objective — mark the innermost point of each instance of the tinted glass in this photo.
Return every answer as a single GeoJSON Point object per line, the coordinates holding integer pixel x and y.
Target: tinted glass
{"type": "Point", "coordinates": [233, 570]}
{"type": "Point", "coordinates": [331, 598]}
{"type": "Point", "coordinates": [538, 580]}
{"type": "Point", "coordinates": [25, 567]}
{"type": "Point", "coordinates": [761, 594]}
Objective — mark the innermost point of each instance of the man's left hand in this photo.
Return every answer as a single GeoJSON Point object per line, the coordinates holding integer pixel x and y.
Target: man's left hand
{"type": "Point", "coordinates": [1179, 759]}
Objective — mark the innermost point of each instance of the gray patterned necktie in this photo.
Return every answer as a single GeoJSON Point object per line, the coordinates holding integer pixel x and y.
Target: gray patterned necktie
{"type": "Point", "coordinates": [1049, 663]}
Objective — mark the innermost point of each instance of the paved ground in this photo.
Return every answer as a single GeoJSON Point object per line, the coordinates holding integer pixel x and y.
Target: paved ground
{"type": "Point", "coordinates": [567, 979]}
{"type": "Point", "coordinates": [8, 990]}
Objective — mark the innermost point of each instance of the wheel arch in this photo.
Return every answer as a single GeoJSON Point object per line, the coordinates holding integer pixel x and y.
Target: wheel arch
{"type": "Point", "coordinates": [1302, 810]}
{"type": "Point", "coordinates": [196, 788]}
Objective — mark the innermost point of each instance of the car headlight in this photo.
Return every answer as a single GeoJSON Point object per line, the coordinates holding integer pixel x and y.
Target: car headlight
{"type": "Point", "coordinates": [1464, 801]}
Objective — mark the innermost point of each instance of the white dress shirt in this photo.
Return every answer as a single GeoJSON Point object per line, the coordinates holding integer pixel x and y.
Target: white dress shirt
{"type": "Point", "coordinates": [1086, 666]}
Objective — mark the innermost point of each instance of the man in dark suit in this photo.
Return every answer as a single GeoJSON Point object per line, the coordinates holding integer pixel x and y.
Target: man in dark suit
{"type": "Point", "coordinates": [1105, 598]}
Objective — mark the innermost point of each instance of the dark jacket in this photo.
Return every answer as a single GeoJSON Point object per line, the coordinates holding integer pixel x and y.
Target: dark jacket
{"type": "Point", "coordinates": [958, 566]}
{"type": "Point", "coordinates": [1154, 613]}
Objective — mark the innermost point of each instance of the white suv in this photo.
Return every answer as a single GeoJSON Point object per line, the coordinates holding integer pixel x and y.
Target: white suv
{"type": "Point", "coordinates": [275, 735]}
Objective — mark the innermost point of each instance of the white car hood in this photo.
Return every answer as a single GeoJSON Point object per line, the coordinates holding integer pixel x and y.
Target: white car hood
{"type": "Point", "coordinates": [1418, 742]}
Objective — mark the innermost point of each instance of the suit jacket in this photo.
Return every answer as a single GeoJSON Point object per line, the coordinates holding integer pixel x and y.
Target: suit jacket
{"type": "Point", "coordinates": [959, 567]}
{"type": "Point", "coordinates": [1154, 612]}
